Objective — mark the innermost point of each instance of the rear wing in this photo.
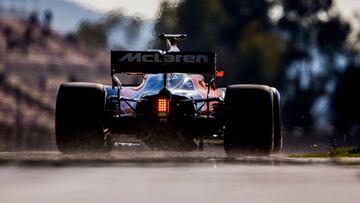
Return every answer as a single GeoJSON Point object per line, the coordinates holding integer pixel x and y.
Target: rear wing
{"type": "Point", "coordinates": [157, 62]}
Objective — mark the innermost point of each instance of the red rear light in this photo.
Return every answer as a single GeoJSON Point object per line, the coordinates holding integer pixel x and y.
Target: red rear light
{"type": "Point", "coordinates": [163, 105]}
{"type": "Point", "coordinates": [220, 74]}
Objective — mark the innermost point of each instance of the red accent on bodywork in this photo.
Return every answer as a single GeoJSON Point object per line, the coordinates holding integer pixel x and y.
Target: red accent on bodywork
{"type": "Point", "coordinates": [220, 74]}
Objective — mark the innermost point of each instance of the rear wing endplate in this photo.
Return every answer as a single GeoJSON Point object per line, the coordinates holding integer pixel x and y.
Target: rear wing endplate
{"type": "Point", "coordinates": [157, 62]}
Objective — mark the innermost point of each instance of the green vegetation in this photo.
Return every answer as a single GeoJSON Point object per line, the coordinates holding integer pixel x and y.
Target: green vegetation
{"type": "Point", "coordinates": [332, 153]}
{"type": "Point", "coordinates": [295, 46]}
{"type": "Point", "coordinates": [95, 34]}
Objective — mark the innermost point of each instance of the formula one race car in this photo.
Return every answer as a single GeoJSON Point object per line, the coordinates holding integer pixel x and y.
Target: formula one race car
{"type": "Point", "coordinates": [176, 106]}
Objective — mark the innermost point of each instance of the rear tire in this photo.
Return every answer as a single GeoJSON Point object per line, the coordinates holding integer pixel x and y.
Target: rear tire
{"type": "Point", "coordinates": [249, 125]}
{"type": "Point", "coordinates": [79, 121]}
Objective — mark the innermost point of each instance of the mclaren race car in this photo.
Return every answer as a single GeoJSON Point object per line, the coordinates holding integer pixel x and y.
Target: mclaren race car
{"type": "Point", "coordinates": [176, 105]}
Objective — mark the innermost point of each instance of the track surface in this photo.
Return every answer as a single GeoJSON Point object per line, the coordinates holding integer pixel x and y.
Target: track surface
{"type": "Point", "coordinates": [41, 177]}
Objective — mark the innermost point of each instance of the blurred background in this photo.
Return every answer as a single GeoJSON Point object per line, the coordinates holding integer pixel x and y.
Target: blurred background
{"type": "Point", "coordinates": [308, 49]}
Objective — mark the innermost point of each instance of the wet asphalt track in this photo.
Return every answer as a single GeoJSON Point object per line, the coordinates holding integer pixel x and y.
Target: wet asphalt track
{"type": "Point", "coordinates": [42, 177]}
